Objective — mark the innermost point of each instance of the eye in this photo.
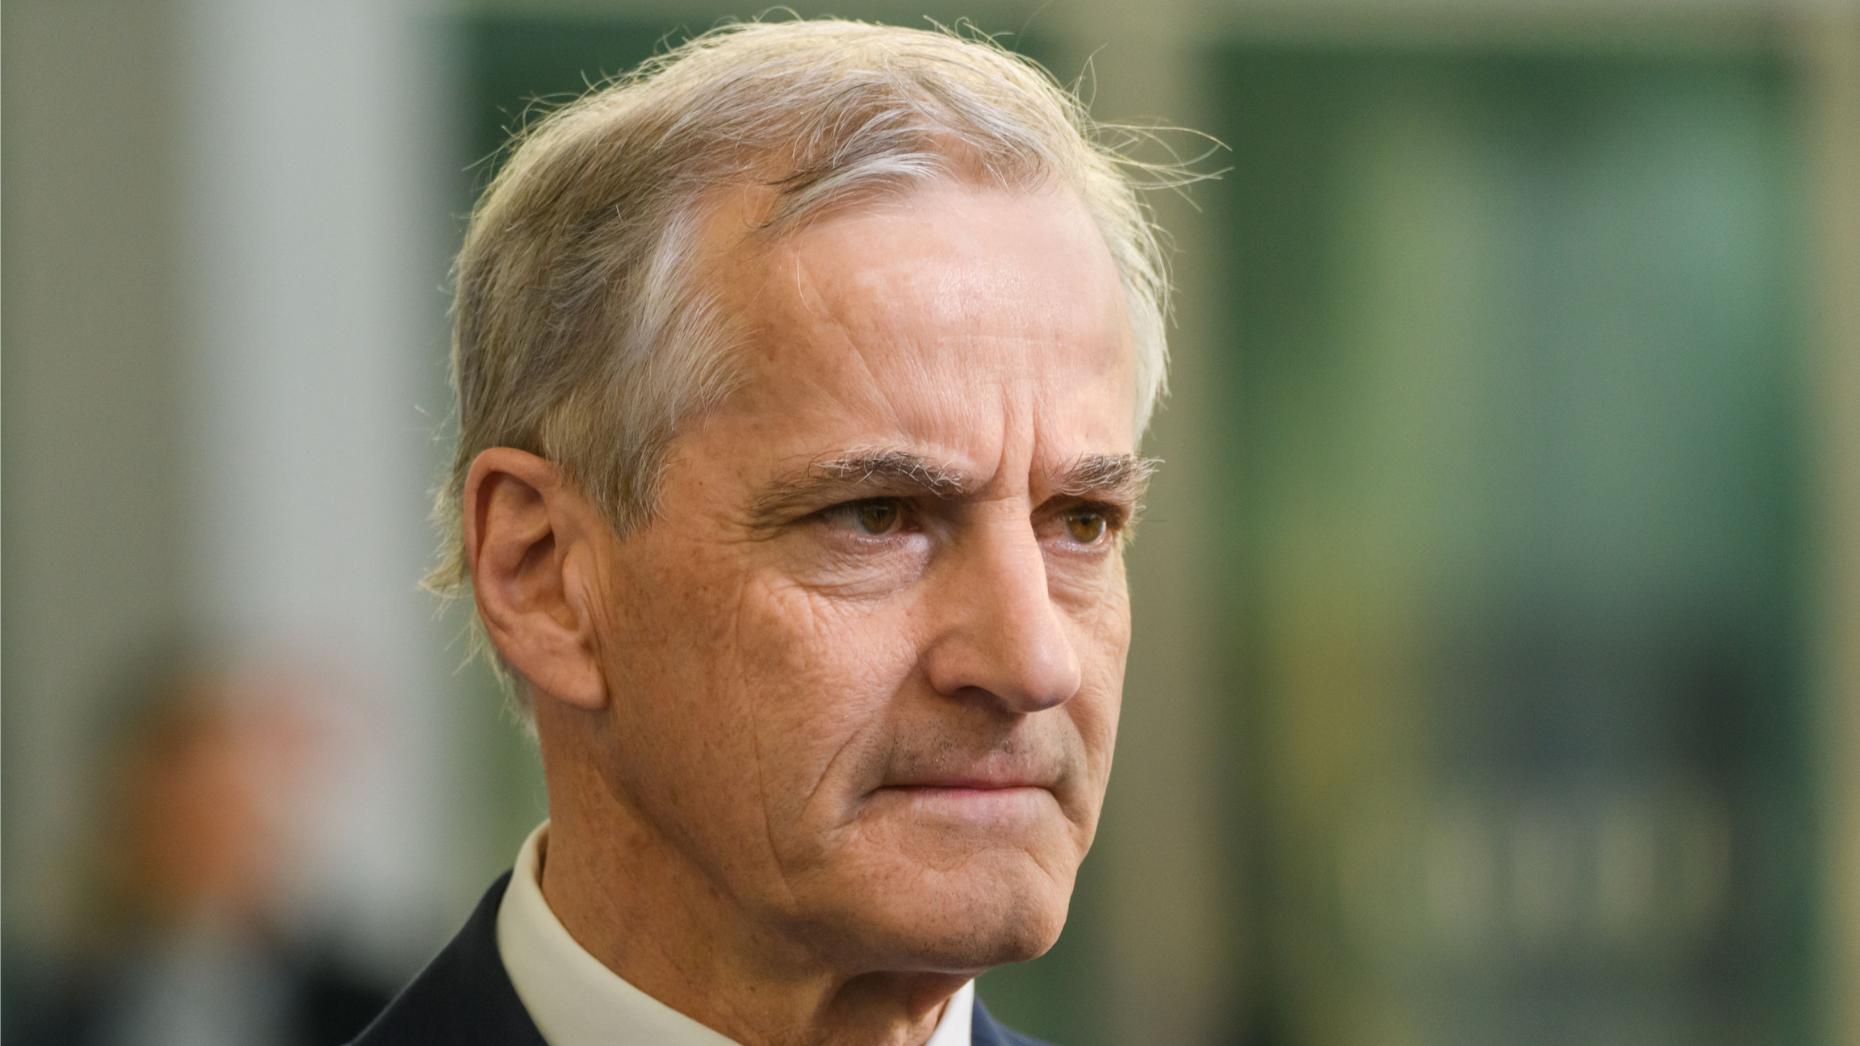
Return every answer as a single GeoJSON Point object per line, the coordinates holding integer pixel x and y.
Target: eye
{"type": "Point", "coordinates": [1086, 526]}
{"type": "Point", "coordinates": [874, 517]}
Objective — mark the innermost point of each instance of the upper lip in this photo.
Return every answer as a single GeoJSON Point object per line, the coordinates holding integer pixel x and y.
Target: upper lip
{"type": "Point", "coordinates": [965, 781]}
{"type": "Point", "coordinates": [986, 775]}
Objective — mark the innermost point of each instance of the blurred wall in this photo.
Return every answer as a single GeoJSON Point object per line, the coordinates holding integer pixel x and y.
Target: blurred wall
{"type": "Point", "coordinates": [94, 522]}
{"type": "Point", "coordinates": [225, 324]}
{"type": "Point", "coordinates": [1830, 53]}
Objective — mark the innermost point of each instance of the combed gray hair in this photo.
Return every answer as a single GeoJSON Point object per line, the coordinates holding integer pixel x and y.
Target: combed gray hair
{"type": "Point", "coordinates": [584, 331]}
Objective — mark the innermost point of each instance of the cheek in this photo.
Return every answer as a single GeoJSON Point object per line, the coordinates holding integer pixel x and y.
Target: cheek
{"type": "Point", "coordinates": [1103, 651]}
{"type": "Point", "coordinates": [1094, 716]}
{"type": "Point", "coordinates": [682, 737]}
{"type": "Point", "coordinates": [822, 675]}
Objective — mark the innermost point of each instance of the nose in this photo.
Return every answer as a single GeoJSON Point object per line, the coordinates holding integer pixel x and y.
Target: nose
{"type": "Point", "coordinates": [1000, 633]}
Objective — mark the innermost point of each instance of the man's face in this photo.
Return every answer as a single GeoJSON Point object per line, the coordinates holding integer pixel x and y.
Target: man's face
{"type": "Point", "coordinates": [865, 664]}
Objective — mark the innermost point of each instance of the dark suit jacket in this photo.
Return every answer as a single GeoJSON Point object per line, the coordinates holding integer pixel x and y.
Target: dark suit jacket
{"type": "Point", "coordinates": [465, 997]}
{"type": "Point", "coordinates": [314, 997]}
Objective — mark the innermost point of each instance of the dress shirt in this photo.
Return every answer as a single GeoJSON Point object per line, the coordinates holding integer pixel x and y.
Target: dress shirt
{"type": "Point", "coordinates": [576, 1001]}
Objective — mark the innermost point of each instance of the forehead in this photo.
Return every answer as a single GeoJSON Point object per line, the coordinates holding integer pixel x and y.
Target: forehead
{"type": "Point", "coordinates": [953, 317]}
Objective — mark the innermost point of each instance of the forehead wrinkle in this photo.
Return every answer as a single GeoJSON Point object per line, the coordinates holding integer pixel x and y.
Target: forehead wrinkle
{"type": "Point", "coordinates": [806, 290]}
{"type": "Point", "coordinates": [821, 314]}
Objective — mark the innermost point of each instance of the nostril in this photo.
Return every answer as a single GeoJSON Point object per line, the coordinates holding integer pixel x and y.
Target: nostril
{"type": "Point", "coordinates": [1026, 664]}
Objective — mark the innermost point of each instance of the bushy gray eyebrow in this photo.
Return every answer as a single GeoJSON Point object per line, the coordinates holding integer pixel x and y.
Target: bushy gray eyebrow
{"type": "Point", "coordinates": [1118, 479]}
{"type": "Point", "coordinates": [897, 466]}
{"type": "Point", "coordinates": [849, 476]}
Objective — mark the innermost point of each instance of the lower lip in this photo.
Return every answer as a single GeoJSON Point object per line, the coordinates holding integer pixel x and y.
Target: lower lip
{"type": "Point", "coordinates": [971, 804]}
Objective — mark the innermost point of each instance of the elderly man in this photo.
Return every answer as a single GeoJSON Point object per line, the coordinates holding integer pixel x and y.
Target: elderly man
{"type": "Point", "coordinates": [800, 375]}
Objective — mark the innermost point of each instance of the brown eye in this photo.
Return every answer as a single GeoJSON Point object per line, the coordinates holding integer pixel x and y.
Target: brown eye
{"type": "Point", "coordinates": [1086, 528]}
{"type": "Point", "coordinates": [876, 517]}
{"type": "Point", "coordinates": [872, 518]}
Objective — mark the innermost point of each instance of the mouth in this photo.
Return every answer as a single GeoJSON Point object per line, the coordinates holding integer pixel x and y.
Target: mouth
{"type": "Point", "coordinates": [969, 800]}
{"type": "Point", "coordinates": [971, 782]}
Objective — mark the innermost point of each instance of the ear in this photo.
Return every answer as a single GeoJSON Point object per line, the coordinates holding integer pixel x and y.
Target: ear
{"type": "Point", "coordinates": [531, 545]}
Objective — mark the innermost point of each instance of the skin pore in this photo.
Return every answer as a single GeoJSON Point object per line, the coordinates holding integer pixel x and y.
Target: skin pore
{"type": "Point", "coordinates": [829, 735]}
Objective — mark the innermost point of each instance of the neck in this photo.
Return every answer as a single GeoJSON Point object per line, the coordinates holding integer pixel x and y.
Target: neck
{"type": "Point", "coordinates": [627, 899]}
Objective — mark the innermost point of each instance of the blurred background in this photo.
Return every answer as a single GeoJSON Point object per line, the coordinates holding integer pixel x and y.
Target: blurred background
{"type": "Point", "coordinates": [1497, 671]}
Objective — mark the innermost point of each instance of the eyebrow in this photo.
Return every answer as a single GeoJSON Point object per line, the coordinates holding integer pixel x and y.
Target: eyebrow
{"type": "Point", "coordinates": [1119, 479]}
{"type": "Point", "coordinates": [853, 475]}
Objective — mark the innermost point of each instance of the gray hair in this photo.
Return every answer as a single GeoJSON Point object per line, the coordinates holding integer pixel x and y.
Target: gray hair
{"type": "Point", "coordinates": [584, 331]}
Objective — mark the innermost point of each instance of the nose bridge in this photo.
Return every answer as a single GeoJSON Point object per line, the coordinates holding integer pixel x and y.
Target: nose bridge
{"type": "Point", "coordinates": [1002, 632]}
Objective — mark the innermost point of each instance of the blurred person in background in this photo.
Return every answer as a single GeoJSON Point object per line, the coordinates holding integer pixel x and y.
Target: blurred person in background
{"type": "Point", "coordinates": [184, 939]}
{"type": "Point", "coordinates": [801, 376]}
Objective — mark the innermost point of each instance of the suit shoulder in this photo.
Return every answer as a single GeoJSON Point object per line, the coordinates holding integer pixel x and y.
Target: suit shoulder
{"type": "Point", "coordinates": [462, 996]}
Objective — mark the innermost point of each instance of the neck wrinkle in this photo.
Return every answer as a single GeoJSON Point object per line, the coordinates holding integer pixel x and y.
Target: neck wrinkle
{"type": "Point", "coordinates": [664, 931]}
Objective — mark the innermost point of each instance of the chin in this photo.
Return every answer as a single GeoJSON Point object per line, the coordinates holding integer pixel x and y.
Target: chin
{"type": "Point", "coordinates": [984, 912]}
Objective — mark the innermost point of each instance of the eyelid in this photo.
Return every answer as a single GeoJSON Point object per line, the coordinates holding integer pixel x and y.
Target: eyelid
{"type": "Point", "coordinates": [844, 510]}
{"type": "Point", "coordinates": [1115, 515]}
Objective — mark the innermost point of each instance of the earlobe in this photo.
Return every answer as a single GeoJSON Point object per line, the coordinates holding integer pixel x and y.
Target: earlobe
{"type": "Point", "coordinates": [526, 543]}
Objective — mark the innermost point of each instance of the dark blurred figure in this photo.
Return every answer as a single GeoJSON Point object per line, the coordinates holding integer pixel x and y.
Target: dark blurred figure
{"type": "Point", "coordinates": [182, 943]}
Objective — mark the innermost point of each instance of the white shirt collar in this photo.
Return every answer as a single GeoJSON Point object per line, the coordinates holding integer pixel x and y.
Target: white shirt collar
{"type": "Point", "coordinates": [576, 1001]}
